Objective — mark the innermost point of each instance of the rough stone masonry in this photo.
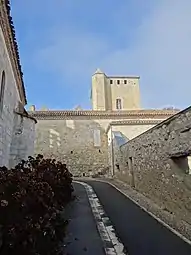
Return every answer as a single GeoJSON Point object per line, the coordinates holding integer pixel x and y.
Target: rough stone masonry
{"type": "Point", "coordinates": [157, 164]}
{"type": "Point", "coordinates": [17, 129]}
{"type": "Point", "coordinates": [79, 137]}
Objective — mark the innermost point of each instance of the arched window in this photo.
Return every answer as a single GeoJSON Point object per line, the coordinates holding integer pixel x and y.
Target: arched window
{"type": "Point", "coordinates": [2, 90]}
{"type": "Point", "coordinates": [118, 104]}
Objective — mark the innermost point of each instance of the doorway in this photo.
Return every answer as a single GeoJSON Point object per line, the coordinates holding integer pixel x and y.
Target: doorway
{"type": "Point", "coordinates": [130, 164]}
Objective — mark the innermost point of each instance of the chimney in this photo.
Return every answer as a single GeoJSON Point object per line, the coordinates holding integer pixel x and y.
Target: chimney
{"type": "Point", "coordinates": [32, 108]}
{"type": "Point", "coordinates": [44, 108]}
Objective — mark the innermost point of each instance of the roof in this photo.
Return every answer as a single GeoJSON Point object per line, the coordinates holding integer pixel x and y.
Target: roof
{"type": "Point", "coordinates": [134, 122]}
{"type": "Point", "coordinates": [131, 114]}
{"type": "Point", "coordinates": [126, 122]}
{"type": "Point", "coordinates": [124, 77]}
{"type": "Point", "coordinates": [98, 71]}
{"type": "Point", "coordinates": [8, 29]}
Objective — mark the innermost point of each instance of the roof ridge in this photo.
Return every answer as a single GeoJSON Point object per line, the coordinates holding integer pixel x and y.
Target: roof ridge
{"type": "Point", "coordinates": [104, 114]}
{"type": "Point", "coordinates": [90, 112]}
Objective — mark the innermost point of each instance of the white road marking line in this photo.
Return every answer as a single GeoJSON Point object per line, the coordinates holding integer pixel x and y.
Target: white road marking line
{"type": "Point", "coordinates": [113, 245]}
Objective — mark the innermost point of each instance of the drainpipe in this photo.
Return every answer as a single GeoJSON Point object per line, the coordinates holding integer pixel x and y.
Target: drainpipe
{"type": "Point", "coordinates": [112, 153]}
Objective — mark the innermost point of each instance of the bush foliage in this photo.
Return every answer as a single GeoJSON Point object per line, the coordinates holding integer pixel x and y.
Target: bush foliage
{"type": "Point", "coordinates": [32, 196]}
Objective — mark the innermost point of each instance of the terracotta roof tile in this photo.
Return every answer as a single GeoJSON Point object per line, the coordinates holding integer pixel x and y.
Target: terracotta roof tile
{"type": "Point", "coordinates": [156, 114]}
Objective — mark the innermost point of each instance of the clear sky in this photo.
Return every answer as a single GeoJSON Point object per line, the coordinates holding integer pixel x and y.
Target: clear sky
{"type": "Point", "coordinates": [62, 42]}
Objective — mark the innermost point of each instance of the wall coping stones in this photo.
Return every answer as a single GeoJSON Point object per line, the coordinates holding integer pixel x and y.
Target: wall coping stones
{"type": "Point", "coordinates": [12, 46]}
{"type": "Point", "coordinates": [133, 122]}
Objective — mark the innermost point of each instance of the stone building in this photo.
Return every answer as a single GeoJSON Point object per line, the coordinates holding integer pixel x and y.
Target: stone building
{"type": "Point", "coordinates": [17, 128]}
{"type": "Point", "coordinates": [84, 138]}
{"type": "Point", "coordinates": [158, 164]}
{"type": "Point", "coordinates": [114, 93]}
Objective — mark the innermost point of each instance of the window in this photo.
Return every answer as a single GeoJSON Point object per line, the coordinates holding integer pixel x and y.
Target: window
{"type": "Point", "coordinates": [118, 104]}
{"type": "Point", "coordinates": [2, 91]}
{"type": "Point", "coordinates": [118, 81]}
{"type": "Point", "coordinates": [117, 166]}
{"type": "Point", "coordinates": [182, 163]}
{"type": "Point", "coordinates": [125, 81]}
{"type": "Point", "coordinates": [111, 81]}
{"type": "Point", "coordinates": [97, 138]}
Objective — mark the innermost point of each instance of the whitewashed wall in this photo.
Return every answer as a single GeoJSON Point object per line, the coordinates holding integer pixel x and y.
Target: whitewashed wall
{"type": "Point", "coordinates": [23, 138]}
{"type": "Point", "coordinates": [9, 101]}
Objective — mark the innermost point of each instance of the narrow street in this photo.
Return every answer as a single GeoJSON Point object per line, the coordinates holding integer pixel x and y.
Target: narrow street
{"type": "Point", "coordinates": [137, 231]}
{"type": "Point", "coordinates": [82, 234]}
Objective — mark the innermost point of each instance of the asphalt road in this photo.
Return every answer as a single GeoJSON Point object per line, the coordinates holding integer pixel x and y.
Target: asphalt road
{"type": "Point", "coordinates": [82, 236]}
{"type": "Point", "coordinates": [139, 232]}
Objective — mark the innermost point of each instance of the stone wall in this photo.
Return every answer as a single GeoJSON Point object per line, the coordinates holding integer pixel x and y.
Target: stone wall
{"type": "Point", "coordinates": [119, 132]}
{"type": "Point", "coordinates": [157, 164]}
{"type": "Point", "coordinates": [10, 101]}
{"type": "Point", "coordinates": [23, 137]}
{"type": "Point", "coordinates": [12, 147]}
{"type": "Point", "coordinates": [105, 91]}
{"type": "Point", "coordinates": [71, 139]}
{"type": "Point", "coordinates": [82, 144]}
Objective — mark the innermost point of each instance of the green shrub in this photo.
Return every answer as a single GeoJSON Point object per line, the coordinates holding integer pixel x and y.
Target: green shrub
{"type": "Point", "coordinates": [32, 196]}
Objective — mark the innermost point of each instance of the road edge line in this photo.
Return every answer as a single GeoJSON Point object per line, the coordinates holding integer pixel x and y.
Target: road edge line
{"type": "Point", "coordinates": [107, 233]}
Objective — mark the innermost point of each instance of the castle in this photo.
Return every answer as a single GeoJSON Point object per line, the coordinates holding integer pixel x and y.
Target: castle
{"type": "Point", "coordinates": [85, 139]}
{"type": "Point", "coordinates": [114, 93]}
{"type": "Point", "coordinates": [148, 149]}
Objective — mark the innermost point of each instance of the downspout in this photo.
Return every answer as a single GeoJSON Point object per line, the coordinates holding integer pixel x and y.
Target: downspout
{"type": "Point", "coordinates": [112, 152]}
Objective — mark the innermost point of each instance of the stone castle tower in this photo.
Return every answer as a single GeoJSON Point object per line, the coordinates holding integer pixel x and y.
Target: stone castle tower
{"type": "Point", "coordinates": [114, 93]}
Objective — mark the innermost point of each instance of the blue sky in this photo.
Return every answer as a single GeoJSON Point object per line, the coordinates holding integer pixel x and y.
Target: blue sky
{"type": "Point", "coordinates": [62, 42]}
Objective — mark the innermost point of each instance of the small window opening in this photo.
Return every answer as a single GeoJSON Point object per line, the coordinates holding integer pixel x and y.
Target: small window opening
{"type": "Point", "coordinates": [118, 104]}
{"type": "Point", "coordinates": [117, 166]}
{"type": "Point", "coordinates": [71, 152]}
{"type": "Point", "coordinates": [182, 164]}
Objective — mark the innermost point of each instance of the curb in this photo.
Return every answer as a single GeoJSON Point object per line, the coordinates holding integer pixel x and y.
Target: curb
{"type": "Point", "coordinates": [112, 244]}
